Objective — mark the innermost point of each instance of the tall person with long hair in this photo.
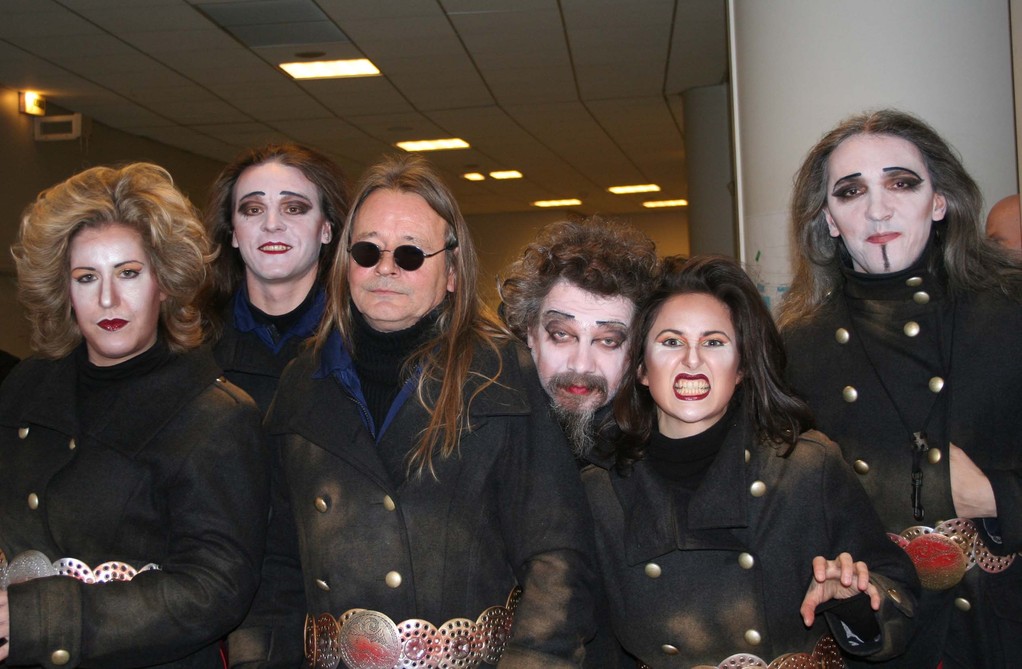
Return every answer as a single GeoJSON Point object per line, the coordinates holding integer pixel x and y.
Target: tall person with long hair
{"type": "Point", "coordinates": [428, 511]}
{"type": "Point", "coordinates": [903, 324]}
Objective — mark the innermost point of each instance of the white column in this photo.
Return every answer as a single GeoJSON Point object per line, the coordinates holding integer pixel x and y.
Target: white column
{"type": "Point", "coordinates": [800, 66]}
{"type": "Point", "coordinates": [711, 217]}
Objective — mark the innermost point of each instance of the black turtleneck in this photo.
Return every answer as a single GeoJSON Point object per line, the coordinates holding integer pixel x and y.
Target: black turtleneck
{"type": "Point", "coordinates": [882, 308]}
{"type": "Point", "coordinates": [380, 356]}
{"type": "Point", "coordinates": [280, 325]}
{"type": "Point", "coordinates": [684, 462]}
{"type": "Point", "coordinates": [98, 386]}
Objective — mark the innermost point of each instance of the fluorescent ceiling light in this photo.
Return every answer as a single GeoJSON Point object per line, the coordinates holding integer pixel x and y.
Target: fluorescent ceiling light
{"type": "Point", "coordinates": [506, 174]}
{"type": "Point", "coordinates": [638, 188]}
{"type": "Point", "coordinates": [433, 144]}
{"type": "Point", "coordinates": [473, 176]}
{"type": "Point", "coordinates": [652, 204]}
{"type": "Point", "coordinates": [331, 69]}
{"type": "Point", "coordinates": [557, 203]}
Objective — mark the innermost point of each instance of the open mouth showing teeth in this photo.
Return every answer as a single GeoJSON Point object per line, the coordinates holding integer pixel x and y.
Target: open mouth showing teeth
{"type": "Point", "coordinates": [274, 248]}
{"type": "Point", "coordinates": [692, 387]}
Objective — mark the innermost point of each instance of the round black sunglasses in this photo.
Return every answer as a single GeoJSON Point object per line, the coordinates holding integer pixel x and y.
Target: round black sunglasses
{"type": "Point", "coordinates": [407, 257]}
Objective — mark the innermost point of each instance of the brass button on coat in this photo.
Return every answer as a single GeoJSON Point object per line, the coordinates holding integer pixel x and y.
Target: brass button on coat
{"type": "Point", "coordinates": [757, 489]}
{"type": "Point", "coordinates": [653, 570]}
{"type": "Point", "coordinates": [60, 657]}
{"type": "Point", "coordinates": [842, 336]}
{"type": "Point", "coordinates": [914, 281]}
{"type": "Point", "coordinates": [33, 501]}
{"type": "Point", "coordinates": [753, 637]}
{"type": "Point", "coordinates": [71, 445]}
{"type": "Point", "coordinates": [392, 579]}
{"type": "Point", "coordinates": [748, 455]}
{"type": "Point", "coordinates": [934, 455]}
{"type": "Point", "coordinates": [962, 604]}
{"type": "Point", "coordinates": [22, 432]}
{"type": "Point", "coordinates": [322, 585]}
{"type": "Point", "coordinates": [746, 561]}
{"type": "Point", "coordinates": [388, 503]}
{"type": "Point", "coordinates": [849, 394]}
{"type": "Point", "coordinates": [321, 505]}
{"type": "Point", "coordinates": [936, 384]}
{"type": "Point", "coordinates": [894, 594]}
{"type": "Point", "coordinates": [861, 467]}
{"type": "Point", "coordinates": [911, 329]}
{"type": "Point", "coordinates": [669, 649]}
{"type": "Point", "coordinates": [922, 297]}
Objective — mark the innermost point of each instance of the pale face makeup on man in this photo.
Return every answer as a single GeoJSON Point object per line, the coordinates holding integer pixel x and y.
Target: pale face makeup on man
{"type": "Point", "coordinates": [279, 228]}
{"type": "Point", "coordinates": [881, 202]}
{"type": "Point", "coordinates": [579, 344]}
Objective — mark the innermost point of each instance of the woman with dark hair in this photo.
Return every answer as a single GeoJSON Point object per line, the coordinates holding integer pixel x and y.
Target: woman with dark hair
{"type": "Point", "coordinates": [902, 324]}
{"type": "Point", "coordinates": [723, 528]}
{"type": "Point", "coordinates": [276, 213]}
{"type": "Point", "coordinates": [135, 485]}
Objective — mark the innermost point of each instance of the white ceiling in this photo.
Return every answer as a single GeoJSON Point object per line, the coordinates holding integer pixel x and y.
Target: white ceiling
{"type": "Point", "coordinates": [577, 94]}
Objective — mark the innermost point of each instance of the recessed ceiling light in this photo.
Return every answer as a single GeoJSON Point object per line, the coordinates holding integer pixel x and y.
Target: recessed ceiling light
{"type": "Point", "coordinates": [331, 69]}
{"type": "Point", "coordinates": [473, 176]}
{"type": "Point", "coordinates": [433, 144]}
{"type": "Point", "coordinates": [638, 188]}
{"type": "Point", "coordinates": [557, 203]}
{"type": "Point", "coordinates": [653, 204]}
{"type": "Point", "coordinates": [506, 174]}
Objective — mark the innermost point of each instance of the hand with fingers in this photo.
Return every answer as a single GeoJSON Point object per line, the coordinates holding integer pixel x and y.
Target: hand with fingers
{"type": "Point", "coordinates": [839, 578]}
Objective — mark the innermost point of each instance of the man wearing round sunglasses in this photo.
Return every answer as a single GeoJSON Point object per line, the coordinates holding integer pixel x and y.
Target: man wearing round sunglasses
{"type": "Point", "coordinates": [426, 507]}
{"type": "Point", "coordinates": [571, 296]}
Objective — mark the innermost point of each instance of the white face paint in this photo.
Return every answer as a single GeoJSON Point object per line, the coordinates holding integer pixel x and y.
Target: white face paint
{"type": "Point", "coordinates": [880, 201]}
{"type": "Point", "coordinates": [579, 344]}
{"type": "Point", "coordinates": [279, 226]}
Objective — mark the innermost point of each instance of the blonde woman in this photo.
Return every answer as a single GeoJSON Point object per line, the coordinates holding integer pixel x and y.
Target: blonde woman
{"type": "Point", "coordinates": [134, 484]}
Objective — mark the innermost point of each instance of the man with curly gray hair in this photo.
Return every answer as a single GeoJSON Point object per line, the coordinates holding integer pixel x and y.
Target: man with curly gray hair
{"type": "Point", "coordinates": [571, 296]}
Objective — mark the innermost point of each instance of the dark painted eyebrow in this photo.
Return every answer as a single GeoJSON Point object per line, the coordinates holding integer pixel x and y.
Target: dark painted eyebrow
{"type": "Point", "coordinates": [902, 169]}
{"type": "Point", "coordinates": [283, 192]}
{"type": "Point", "coordinates": [846, 178]}
{"type": "Point", "coordinates": [554, 313]}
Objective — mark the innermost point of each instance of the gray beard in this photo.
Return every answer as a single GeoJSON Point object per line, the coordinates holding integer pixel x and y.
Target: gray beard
{"type": "Point", "coordinates": [578, 428]}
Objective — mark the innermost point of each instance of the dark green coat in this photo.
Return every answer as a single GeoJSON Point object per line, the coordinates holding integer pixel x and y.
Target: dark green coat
{"type": "Point", "coordinates": [974, 343]}
{"type": "Point", "coordinates": [729, 576]}
{"type": "Point", "coordinates": [507, 509]}
{"type": "Point", "coordinates": [175, 473]}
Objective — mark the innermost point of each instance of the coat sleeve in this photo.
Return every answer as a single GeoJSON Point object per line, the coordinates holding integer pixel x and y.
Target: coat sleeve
{"type": "Point", "coordinates": [549, 536]}
{"type": "Point", "coordinates": [1004, 535]}
{"type": "Point", "coordinates": [855, 527]}
{"type": "Point", "coordinates": [217, 498]}
{"type": "Point", "coordinates": [272, 634]}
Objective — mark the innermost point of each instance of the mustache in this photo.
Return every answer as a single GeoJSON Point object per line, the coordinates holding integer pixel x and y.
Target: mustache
{"type": "Point", "coordinates": [596, 382]}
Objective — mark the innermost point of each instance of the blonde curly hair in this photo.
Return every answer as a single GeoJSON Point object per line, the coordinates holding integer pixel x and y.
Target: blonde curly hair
{"type": "Point", "coordinates": [140, 196]}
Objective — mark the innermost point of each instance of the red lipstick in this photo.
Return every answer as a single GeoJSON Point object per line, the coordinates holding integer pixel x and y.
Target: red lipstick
{"type": "Point", "coordinates": [691, 387]}
{"type": "Point", "coordinates": [112, 324]}
{"type": "Point", "coordinates": [883, 238]}
{"type": "Point", "coordinates": [274, 247]}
